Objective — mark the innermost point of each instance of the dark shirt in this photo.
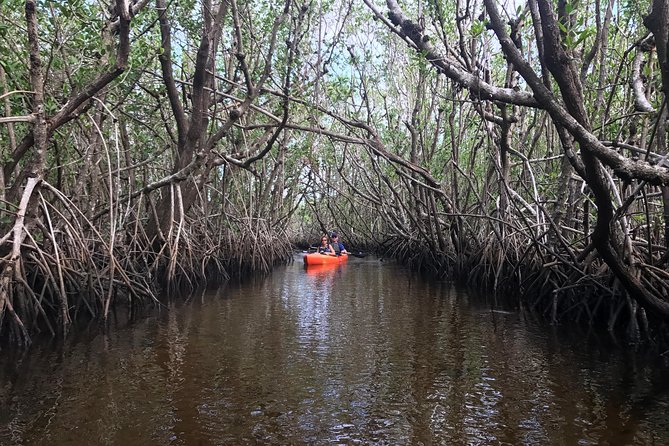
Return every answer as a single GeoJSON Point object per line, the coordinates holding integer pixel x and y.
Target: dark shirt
{"type": "Point", "coordinates": [338, 247]}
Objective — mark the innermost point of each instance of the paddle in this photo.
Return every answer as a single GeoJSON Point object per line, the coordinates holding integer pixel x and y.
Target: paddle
{"type": "Point", "coordinates": [358, 254]}
{"type": "Point", "coordinates": [355, 253]}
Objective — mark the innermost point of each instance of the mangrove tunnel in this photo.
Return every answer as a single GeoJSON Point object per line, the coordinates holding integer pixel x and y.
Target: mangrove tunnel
{"type": "Point", "coordinates": [520, 147]}
{"type": "Point", "coordinates": [155, 154]}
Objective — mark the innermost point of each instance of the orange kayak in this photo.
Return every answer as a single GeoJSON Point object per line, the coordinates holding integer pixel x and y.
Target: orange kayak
{"type": "Point", "coordinates": [323, 259]}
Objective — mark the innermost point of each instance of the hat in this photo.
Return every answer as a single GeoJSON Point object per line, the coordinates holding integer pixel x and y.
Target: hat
{"type": "Point", "coordinates": [333, 235]}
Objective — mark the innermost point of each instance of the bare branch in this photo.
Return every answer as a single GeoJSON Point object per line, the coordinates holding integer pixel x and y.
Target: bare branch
{"type": "Point", "coordinates": [479, 88]}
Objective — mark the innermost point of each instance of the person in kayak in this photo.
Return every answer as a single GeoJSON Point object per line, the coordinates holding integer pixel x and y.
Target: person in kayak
{"type": "Point", "coordinates": [337, 245]}
{"type": "Point", "coordinates": [325, 247]}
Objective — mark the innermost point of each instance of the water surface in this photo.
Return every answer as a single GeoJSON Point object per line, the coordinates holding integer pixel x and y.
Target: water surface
{"type": "Point", "coordinates": [365, 353]}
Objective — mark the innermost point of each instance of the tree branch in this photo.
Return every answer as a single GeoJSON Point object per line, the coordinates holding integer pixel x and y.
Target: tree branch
{"type": "Point", "coordinates": [479, 88]}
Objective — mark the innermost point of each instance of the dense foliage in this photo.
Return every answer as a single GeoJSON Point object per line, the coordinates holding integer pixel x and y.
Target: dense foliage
{"type": "Point", "coordinates": [148, 143]}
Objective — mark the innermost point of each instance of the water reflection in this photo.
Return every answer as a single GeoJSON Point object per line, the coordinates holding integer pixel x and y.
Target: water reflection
{"type": "Point", "coordinates": [364, 353]}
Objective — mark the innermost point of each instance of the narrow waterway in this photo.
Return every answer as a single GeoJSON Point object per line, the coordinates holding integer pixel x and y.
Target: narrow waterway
{"type": "Point", "coordinates": [364, 353]}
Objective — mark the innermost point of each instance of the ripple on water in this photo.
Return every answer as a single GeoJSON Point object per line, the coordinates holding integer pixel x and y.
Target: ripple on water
{"type": "Point", "coordinates": [363, 354]}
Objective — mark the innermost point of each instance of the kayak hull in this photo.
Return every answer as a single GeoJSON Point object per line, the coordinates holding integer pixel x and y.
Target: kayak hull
{"type": "Point", "coordinates": [324, 269]}
{"type": "Point", "coordinates": [322, 259]}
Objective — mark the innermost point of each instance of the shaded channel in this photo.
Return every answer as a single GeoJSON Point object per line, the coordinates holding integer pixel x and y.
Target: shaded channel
{"type": "Point", "coordinates": [364, 353]}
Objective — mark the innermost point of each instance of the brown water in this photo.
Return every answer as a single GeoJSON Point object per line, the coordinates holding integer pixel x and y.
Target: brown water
{"type": "Point", "coordinates": [364, 354]}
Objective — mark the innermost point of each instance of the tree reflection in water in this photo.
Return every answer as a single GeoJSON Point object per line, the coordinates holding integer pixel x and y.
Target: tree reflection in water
{"type": "Point", "coordinates": [362, 353]}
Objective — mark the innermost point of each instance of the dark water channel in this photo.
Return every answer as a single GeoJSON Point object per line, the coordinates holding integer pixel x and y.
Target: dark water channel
{"type": "Point", "coordinates": [364, 354]}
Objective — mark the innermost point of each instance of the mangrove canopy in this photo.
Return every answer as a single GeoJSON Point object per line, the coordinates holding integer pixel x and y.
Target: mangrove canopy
{"type": "Point", "coordinates": [155, 144]}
